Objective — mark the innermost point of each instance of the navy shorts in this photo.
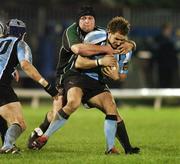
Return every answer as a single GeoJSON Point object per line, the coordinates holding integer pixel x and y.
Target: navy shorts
{"type": "Point", "coordinates": [89, 86]}
{"type": "Point", "coordinates": [7, 95]}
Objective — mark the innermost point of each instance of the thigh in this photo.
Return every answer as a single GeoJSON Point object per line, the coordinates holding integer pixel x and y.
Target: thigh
{"type": "Point", "coordinates": [97, 103]}
{"type": "Point", "coordinates": [105, 102]}
{"type": "Point", "coordinates": [74, 95]}
{"type": "Point", "coordinates": [12, 112]}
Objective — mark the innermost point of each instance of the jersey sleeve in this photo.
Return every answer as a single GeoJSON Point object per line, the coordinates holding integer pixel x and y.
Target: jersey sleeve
{"type": "Point", "coordinates": [70, 37]}
{"type": "Point", "coordinates": [24, 52]}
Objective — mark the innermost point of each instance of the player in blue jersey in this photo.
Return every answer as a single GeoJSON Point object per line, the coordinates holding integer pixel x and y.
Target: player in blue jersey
{"type": "Point", "coordinates": [117, 34]}
{"type": "Point", "coordinates": [3, 122]}
{"type": "Point", "coordinates": [15, 51]}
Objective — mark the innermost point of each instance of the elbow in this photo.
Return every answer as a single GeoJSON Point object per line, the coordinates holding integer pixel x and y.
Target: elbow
{"type": "Point", "coordinates": [76, 49]}
{"type": "Point", "coordinates": [24, 65]}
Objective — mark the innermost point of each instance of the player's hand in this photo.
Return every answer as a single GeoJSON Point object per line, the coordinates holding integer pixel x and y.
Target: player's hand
{"type": "Point", "coordinates": [16, 75]}
{"type": "Point", "coordinates": [125, 47]}
{"type": "Point", "coordinates": [107, 60]}
{"type": "Point", "coordinates": [111, 72]}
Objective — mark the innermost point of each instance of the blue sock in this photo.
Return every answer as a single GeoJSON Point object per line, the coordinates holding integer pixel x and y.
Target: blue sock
{"type": "Point", "coordinates": [13, 132]}
{"type": "Point", "coordinates": [110, 126]}
{"type": "Point", "coordinates": [56, 124]}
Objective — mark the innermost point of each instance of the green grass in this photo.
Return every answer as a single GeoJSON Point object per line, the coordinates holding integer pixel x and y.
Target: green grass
{"type": "Point", "coordinates": [82, 141]}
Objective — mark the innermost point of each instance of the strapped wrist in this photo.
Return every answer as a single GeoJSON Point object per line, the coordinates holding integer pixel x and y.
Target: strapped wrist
{"type": "Point", "coordinates": [51, 90]}
{"type": "Point", "coordinates": [97, 60]}
{"type": "Point", "coordinates": [43, 82]}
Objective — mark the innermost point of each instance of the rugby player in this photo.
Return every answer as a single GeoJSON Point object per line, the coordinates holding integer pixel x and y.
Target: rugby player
{"type": "Point", "coordinates": [72, 36]}
{"type": "Point", "coordinates": [13, 51]}
{"type": "Point", "coordinates": [3, 122]}
{"type": "Point", "coordinates": [110, 117]}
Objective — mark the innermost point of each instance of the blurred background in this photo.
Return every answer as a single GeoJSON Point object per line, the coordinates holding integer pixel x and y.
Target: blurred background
{"type": "Point", "coordinates": [155, 27]}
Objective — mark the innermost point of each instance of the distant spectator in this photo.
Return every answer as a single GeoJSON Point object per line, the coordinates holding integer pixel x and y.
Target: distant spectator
{"type": "Point", "coordinates": [166, 57]}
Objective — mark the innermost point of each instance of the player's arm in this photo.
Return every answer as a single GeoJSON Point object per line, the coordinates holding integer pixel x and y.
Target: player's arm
{"type": "Point", "coordinates": [121, 70]}
{"type": "Point", "coordinates": [85, 49]}
{"type": "Point", "coordinates": [113, 73]}
{"type": "Point", "coordinates": [25, 59]}
{"type": "Point", "coordinates": [72, 42]}
{"type": "Point", "coordinates": [86, 63]}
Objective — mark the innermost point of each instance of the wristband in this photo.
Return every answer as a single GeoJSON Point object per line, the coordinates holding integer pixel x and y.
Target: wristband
{"type": "Point", "coordinates": [98, 62]}
{"type": "Point", "coordinates": [41, 81]}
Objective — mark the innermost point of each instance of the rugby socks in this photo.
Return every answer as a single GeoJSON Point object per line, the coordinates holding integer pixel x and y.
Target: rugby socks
{"type": "Point", "coordinates": [3, 128]}
{"type": "Point", "coordinates": [13, 132]}
{"type": "Point", "coordinates": [59, 120]}
{"type": "Point", "coordinates": [122, 136]}
{"type": "Point", "coordinates": [44, 126]}
{"type": "Point", "coordinates": [110, 126]}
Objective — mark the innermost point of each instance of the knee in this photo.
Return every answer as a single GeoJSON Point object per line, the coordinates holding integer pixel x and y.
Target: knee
{"type": "Point", "coordinates": [72, 105]}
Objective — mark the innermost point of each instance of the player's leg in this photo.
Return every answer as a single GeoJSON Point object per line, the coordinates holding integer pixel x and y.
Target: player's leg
{"type": "Point", "coordinates": [39, 131]}
{"type": "Point", "coordinates": [74, 96]}
{"type": "Point", "coordinates": [13, 114]}
{"type": "Point", "coordinates": [121, 133]}
{"type": "Point", "coordinates": [123, 138]}
{"type": "Point", "coordinates": [110, 124]}
{"type": "Point", "coordinates": [3, 128]}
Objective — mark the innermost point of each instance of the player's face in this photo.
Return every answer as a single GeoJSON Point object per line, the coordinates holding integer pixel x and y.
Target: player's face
{"type": "Point", "coordinates": [116, 39]}
{"type": "Point", "coordinates": [87, 23]}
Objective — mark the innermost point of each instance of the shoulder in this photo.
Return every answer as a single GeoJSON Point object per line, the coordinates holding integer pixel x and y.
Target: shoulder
{"type": "Point", "coordinates": [23, 44]}
{"type": "Point", "coordinates": [72, 29]}
{"type": "Point", "coordinates": [98, 36]}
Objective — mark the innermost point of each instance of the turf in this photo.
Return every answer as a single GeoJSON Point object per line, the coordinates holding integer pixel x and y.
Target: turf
{"type": "Point", "coordinates": [82, 141]}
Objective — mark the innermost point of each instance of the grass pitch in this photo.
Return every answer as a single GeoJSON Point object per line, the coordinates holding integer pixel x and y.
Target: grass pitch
{"type": "Point", "coordinates": [82, 140]}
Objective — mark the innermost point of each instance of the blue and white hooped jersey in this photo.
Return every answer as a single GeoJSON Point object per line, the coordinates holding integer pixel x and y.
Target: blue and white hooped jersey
{"type": "Point", "coordinates": [100, 37]}
{"type": "Point", "coordinates": [12, 52]}
{"type": "Point", "coordinates": [122, 59]}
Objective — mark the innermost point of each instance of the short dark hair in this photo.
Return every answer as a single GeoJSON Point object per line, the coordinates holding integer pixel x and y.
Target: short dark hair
{"type": "Point", "coordinates": [118, 24]}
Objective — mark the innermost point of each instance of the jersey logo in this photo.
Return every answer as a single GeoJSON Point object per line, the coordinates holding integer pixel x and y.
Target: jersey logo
{"type": "Point", "coordinates": [4, 46]}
